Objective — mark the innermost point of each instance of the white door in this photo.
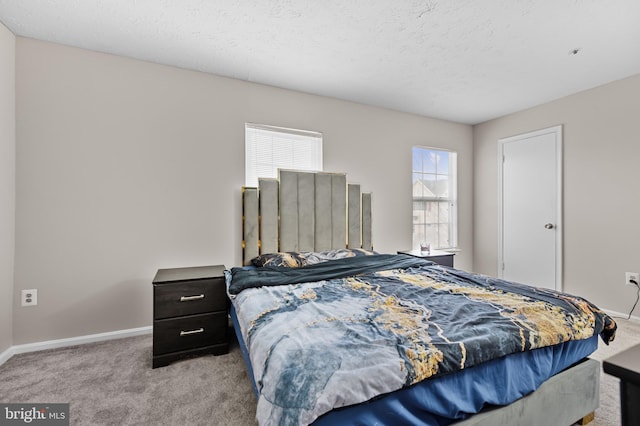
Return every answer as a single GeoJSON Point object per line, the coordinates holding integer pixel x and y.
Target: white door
{"type": "Point", "coordinates": [530, 244]}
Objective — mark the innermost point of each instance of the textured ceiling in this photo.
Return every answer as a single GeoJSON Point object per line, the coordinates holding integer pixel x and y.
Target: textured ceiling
{"type": "Point", "coordinates": [461, 60]}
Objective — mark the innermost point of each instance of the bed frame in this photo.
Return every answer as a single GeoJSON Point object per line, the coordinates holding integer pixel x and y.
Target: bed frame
{"type": "Point", "coordinates": [307, 211]}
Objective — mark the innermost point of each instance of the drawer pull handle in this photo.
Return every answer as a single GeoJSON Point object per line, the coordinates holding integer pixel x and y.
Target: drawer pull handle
{"type": "Point", "coordinates": [186, 333]}
{"type": "Point", "coordinates": [189, 298]}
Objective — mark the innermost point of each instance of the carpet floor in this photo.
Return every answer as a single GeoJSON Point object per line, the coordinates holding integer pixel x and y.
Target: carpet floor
{"type": "Point", "coordinates": [112, 383]}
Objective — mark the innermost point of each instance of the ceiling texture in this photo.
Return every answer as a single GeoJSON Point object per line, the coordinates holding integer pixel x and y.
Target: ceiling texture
{"type": "Point", "coordinates": [462, 60]}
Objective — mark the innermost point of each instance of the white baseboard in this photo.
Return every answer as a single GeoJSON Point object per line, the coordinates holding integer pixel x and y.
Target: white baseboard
{"type": "Point", "coordinates": [72, 341]}
{"type": "Point", "coordinates": [622, 315]}
{"type": "Point", "coordinates": [4, 356]}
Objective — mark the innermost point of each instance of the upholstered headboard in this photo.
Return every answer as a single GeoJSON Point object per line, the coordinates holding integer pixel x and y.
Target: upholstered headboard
{"type": "Point", "coordinates": [304, 211]}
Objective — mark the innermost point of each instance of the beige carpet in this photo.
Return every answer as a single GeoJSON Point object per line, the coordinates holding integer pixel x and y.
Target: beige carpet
{"type": "Point", "coordinates": [112, 383]}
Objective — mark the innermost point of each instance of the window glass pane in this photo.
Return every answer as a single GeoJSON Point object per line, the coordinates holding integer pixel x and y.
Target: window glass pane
{"type": "Point", "coordinates": [441, 188]}
{"type": "Point", "coordinates": [417, 160]}
{"type": "Point", "coordinates": [443, 162]}
{"type": "Point", "coordinates": [434, 203]}
{"type": "Point", "coordinates": [444, 212]}
{"type": "Point", "coordinates": [418, 186]}
{"type": "Point", "coordinates": [418, 213]}
{"type": "Point", "coordinates": [430, 185]}
{"type": "Point", "coordinates": [418, 233]}
{"type": "Point", "coordinates": [443, 235]}
{"type": "Point", "coordinates": [430, 236]}
{"type": "Point", "coordinates": [431, 212]}
{"type": "Point", "coordinates": [428, 161]}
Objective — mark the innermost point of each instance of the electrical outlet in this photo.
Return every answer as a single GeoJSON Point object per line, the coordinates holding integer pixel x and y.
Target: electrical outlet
{"type": "Point", "coordinates": [635, 276]}
{"type": "Point", "coordinates": [29, 297]}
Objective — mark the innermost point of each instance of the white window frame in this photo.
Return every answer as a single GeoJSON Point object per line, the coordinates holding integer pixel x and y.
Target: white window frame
{"type": "Point", "coordinates": [452, 198]}
{"type": "Point", "coordinates": [269, 148]}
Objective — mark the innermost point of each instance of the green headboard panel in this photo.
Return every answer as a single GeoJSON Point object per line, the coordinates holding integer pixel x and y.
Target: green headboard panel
{"type": "Point", "coordinates": [305, 211]}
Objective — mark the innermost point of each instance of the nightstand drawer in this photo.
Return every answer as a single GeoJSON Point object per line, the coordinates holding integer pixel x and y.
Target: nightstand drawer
{"type": "Point", "coordinates": [443, 258]}
{"type": "Point", "coordinates": [189, 297]}
{"type": "Point", "coordinates": [177, 334]}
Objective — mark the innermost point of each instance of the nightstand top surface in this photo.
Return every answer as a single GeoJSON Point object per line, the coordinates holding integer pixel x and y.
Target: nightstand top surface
{"type": "Point", "coordinates": [190, 273]}
{"type": "Point", "coordinates": [625, 365]}
{"type": "Point", "coordinates": [431, 253]}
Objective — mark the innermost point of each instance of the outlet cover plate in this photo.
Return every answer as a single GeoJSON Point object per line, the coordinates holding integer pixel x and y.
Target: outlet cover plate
{"type": "Point", "coordinates": [29, 297]}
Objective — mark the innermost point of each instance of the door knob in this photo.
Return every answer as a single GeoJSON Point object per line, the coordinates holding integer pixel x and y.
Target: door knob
{"type": "Point", "coordinates": [548, 226]}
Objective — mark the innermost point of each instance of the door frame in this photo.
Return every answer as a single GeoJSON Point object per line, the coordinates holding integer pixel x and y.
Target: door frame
{"type": "Point", "coordinates": [557, 130]}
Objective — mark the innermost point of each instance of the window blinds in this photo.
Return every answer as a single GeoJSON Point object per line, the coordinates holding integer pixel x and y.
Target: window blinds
{"type": "Point", "coordinates": [269, 148]}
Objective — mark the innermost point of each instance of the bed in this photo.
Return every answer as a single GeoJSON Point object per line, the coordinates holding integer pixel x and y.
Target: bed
{"type": "Point", "coordinates": [335, 333]}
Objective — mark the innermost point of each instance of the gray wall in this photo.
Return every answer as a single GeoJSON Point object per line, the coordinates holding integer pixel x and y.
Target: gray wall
{"type": "Point", "coordinates": [124, 167]}
{"type": "Point", "coordinates": [7, 183]}
{"type": "Point", "coordinates": [601, 188]}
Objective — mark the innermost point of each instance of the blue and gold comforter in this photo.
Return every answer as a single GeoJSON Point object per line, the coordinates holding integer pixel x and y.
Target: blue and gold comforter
{"type": "Point", "coordinates": [322, 337]}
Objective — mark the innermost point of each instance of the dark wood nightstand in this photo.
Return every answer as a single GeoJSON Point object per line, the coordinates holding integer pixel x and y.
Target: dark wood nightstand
{"type": "Point", "coordinates": [626, 366]}
{"type": "Point", "coordinates": [443, 258]}
{"type": "Point", "coordinates": [189, 313]}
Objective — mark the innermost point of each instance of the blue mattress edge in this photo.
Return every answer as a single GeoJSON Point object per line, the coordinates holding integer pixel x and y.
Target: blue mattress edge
{"type": "Point", "coordinates": [454, 397]}
{"type": "Point", "coordinates": [243, 347]}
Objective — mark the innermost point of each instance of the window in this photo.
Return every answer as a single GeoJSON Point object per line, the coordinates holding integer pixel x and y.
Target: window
{"type": "Point", "coordinates": [269, 148]}
{"type": "Point", "coordinates": [434, 198]}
